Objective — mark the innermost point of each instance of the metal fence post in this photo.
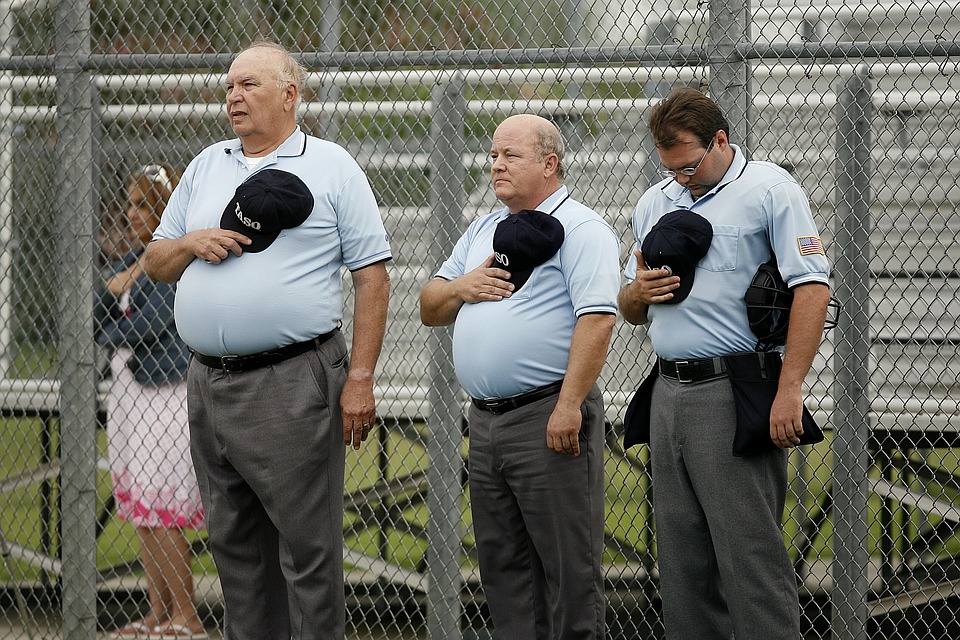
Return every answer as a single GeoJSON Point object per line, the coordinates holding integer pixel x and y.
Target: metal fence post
{"type": "Point", "coordinates": [329, 92]}
{"type": "Point", "coordinates": [7, 135]}
{"type": "Point", "coordinates": [78, 391]}
{"type": "Point", "coordinates": [574, 35]}
{"type": "Point", "coordinates": [729, 72]}
{"type": "Point", "coordinates": [444, 536]}
{"type": "Point", "coordinates": [851, 360]}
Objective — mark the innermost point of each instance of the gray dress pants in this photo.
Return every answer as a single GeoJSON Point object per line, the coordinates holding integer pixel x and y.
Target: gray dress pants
{"type": "Point", "coordinates": [724, 568]}
{"type": "Point", "coordinates": [268, 449]}
{"type": "Point", "coordinates": [538, 521]}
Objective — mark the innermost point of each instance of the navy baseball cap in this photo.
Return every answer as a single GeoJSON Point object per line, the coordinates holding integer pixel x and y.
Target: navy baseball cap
{"type": "Point", "coordinates": [265, 204]}
{"type": "Point", "coordinates": [678, 242]}
{"type": "Point", "coordinates": [523, 241]}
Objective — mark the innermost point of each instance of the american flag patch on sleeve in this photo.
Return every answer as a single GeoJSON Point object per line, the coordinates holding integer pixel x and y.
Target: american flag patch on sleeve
{"type": "Point", "coordinates": [810, 245]}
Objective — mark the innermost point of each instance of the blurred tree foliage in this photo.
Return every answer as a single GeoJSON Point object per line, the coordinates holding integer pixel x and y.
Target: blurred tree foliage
{"type": "Point", "coordinates": [195, 26]}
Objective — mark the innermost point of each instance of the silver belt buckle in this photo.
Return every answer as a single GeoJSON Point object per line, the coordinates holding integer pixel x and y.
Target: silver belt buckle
{"type": "Point", "coordinates": [226, 361]}
{"type": "Point", "coordinates": [680, 363]}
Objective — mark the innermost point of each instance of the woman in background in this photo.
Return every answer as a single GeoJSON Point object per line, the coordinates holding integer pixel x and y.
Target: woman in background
{"type": "Point", "coordinates": [154, 483]}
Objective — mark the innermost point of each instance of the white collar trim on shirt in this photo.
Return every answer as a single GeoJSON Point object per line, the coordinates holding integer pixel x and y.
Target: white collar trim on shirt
{"type": "Point", "coordinates": [295, 145]}
{"type": "Point", "coordinates": [549, 206]}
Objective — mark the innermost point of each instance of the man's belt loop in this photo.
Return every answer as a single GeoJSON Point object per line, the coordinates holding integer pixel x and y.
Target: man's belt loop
{"type": "Point", "coordinates": [761, 355]}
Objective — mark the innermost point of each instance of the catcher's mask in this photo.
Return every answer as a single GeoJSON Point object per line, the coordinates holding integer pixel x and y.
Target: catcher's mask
{"type": "Point", "coordinates": [768, 302]}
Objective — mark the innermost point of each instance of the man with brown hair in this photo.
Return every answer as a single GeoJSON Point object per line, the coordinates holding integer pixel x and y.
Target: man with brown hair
{"type": "Point", "coordinates": [724, 569]}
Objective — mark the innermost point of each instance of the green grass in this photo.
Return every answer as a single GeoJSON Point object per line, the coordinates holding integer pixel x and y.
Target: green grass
{"type": "Point", "coordinates": [34, 361]}
{"type": "Point", "coordinates": [628, 514]}
{"type": "Point", "coordinates": [20, 510]}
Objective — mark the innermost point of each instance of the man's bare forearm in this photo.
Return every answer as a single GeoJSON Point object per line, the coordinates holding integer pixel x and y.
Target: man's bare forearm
{"type": "Point", "coordinates": [372, 291]}
{"type": "Point", "coordinates": [165, 260]}
{"type": "Point", "coordinates": [807, 315]}
{"type": "Point", "coordinates": [439, 303]}
{"type": "Point", "coordinates": [588, 352]}
{"type": "Point", "coordinates": [632, 308]}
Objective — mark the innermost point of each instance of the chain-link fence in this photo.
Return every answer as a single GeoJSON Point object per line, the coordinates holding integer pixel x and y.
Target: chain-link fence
{"type": "Point", "coordinates": [858, 100]}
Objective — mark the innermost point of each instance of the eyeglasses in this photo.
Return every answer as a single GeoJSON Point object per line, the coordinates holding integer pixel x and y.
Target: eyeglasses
{"type": "Point", "coordinates": [687, 171]}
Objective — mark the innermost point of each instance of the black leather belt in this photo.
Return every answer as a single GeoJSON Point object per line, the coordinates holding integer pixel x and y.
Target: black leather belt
{"type": "Point", "coordinates": [498, 406]}
{"type": "Point", "coordinates": [692, 370]}
{"type": "Point", "coordinates": [237, 364]}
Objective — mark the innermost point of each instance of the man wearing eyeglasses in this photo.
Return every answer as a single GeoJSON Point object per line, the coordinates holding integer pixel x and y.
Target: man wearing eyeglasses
{"type": "Point", "coordinates": [724, 569]}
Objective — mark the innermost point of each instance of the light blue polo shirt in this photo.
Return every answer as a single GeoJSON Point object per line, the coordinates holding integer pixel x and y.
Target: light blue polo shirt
{"type": "Point", "coordinates": [756, 206]}
{"type": "Point", "coordinates": [502, 348]}
{"type": "Point", "coordinates": [291, 291]}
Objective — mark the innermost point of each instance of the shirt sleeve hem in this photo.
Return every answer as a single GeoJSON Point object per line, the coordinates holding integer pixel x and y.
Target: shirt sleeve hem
{"type": "Point", "coordinates": [603, 310]}
{"type": "Point", "coordinates": [380, 257]}
{"type": "Point", "coordinates": [813, 278]}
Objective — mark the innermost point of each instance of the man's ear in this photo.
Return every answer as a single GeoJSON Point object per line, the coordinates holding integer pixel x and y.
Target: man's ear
{"type": "Point", "coordinates": [290, 95]}
{"type": "Point", "coordinates": [722, 138]}
{"type": "Point", "coordinates": [550, 164]}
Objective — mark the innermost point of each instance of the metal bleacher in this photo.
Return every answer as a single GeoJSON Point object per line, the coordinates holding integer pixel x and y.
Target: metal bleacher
{"type": "Point", "coordinates": [914, 307]}
{"type": "Point", "coordinates": [914, 328]}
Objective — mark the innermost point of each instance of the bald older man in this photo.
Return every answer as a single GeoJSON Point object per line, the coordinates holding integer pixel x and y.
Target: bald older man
{"type": "Point", "coordinates": [531, 290]}
{"type": "Point", "coordinates": [256, 236]}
